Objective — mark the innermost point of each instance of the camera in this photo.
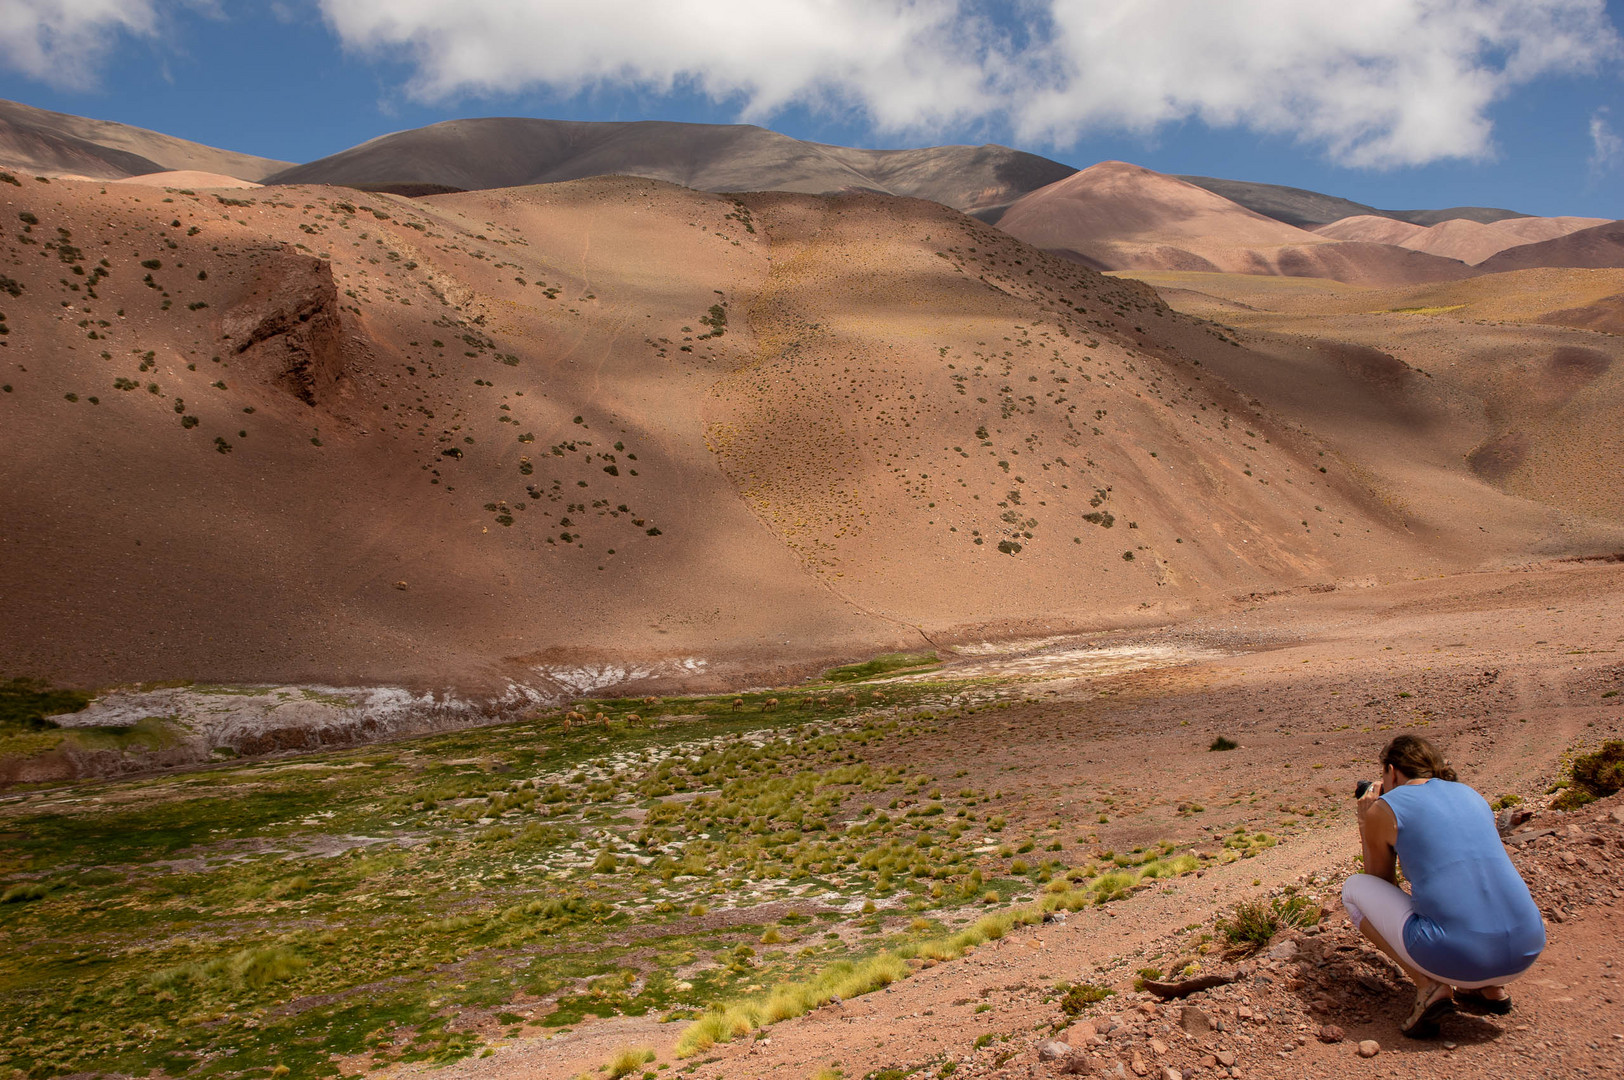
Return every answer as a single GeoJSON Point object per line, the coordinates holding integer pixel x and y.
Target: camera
{"type": "Point", "coordinates": [1361, 787]}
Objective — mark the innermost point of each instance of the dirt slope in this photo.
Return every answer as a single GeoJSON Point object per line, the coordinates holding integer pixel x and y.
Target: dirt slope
{"type": "Point", "coordinates": [299, 435]}
{"type": "Point", "coordinates": [38, 141]}
{"type": "Point", "coordinates": [1596, 247]}
{"type": "Point", "coordinates": [1122, 217]}
{"type": "Point", "coordinates": [1527, 394]}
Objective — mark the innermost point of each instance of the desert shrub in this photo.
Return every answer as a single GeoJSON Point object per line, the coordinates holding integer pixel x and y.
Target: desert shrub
{"type": "Point", "coordinates": [24, 892]}
{"type": "Point", "coordinates": [845, 979]}
{"type": "Point", "coordinates": [628, 1060]}
{"type": "Point", "coordinates": [1076, 998]}
{"type": "Point", "coordinates": [1223, 743]}
{"type": "Point", "coordinates": [252, 968]}
{"type": "Point", "coordinates": [1593, 776]}
{"type": "Point", "coordinates": [1251, 923]}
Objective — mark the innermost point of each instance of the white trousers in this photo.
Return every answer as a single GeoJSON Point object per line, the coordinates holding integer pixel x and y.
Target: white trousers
{"type": "Point", "coordinates": [1388, 908]}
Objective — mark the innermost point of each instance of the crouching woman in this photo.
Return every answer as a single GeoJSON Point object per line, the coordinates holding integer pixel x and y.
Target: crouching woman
{"type": "Point", "coordinates": [1468, 923]}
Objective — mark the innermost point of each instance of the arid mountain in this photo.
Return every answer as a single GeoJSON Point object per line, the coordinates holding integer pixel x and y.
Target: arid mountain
{"type": "Point", "coordinates": [1596, 247]}
{"type": "Point", "coordinates": [507, 152]}
{"type": "Point", "coordinates": [1459, 238]}
{"type": "Point", "coordinates": [1306, 209]}
{"type": "Point", "coordinates": [310, 435]}
{"type": "Point", "coordinates": [1370, 229]}
{"type": "Point", "coordinates": [1116, 216]}
{"type": "Point", "coordinates": [36, 141]}
{"type": "Point", "coordinates": [1546, 388]}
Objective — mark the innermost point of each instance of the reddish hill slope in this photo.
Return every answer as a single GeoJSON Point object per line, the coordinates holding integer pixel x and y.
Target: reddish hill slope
{"type": "Point", "coordinates": [1116, 216]}
{"type": "Point", "coordinates": [1599, 247]}
{"type": "Point", "coordinates": [614, 425]}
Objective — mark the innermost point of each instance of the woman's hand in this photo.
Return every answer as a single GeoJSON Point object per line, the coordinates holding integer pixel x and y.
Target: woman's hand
{"type": "Point", "coordinates": [1364, 803]}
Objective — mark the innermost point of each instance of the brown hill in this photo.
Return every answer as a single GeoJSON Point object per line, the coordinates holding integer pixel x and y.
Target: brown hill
{"type": "Point", "coordinates": [616, 426]}
{"type": "Point", "coordinates": [1370, 229]}
{"type": "Point", "coordinates": [1116, 216]}
{"type": "Point", "coordinates": [186, 178]}
{"type": "Point", "coordinates": [1458, 238]}
{"type": "Point", "coordinates": [1532, 392]}
{"type": "Point", "coordinates": [1469, 241]}
{"type": "Point", "coordinates": [1531, 230]}
{"type": "Point", "coordinates": [1593, 248]}
{"type": "Point", "coordinates": [510, 151]}
{"type": "Point", "coordinates": [38, 141]}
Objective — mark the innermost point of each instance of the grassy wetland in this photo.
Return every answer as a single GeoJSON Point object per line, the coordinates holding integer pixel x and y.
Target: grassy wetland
{"type": "Point", "coordinates": [720, 862]}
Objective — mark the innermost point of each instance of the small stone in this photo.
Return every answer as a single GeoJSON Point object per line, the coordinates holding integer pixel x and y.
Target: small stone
{"type": "Point", "coordinates": [1194, 1020]}
{"type": "Point", "coordinates": [1082, 1033]}
{"type": "Point", "coordinates": [1053, 1050]}
{"type": "Point", "coordinates": [1208, 1061]}
{"type": "Point", "coordinates": [1226, 1058]}
{"type": "Point", "coordinates": [1330, 1033]}
{"type": "Point", "coordinates": [1170, 1073]}
{"type": "Point", "coordinates": [1369, 1048]}
{"type": "Point", "coordinates": [1616, 817]}
{"type": "Point", "coordinates": [1137, 1064]}
{"type": "Point", "coordinates": [1158, 1047]}
{"type": "Point", "coordinates": [1285, 950]}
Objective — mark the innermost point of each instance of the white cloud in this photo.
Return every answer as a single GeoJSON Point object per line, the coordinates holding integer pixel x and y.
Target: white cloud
{"type": "Point", "coordinates": [1375, 82]}
{"type": "Point", "coordinates": [905, 63]}
{"type": "Point", "coordinates": [1607, 148]}
{"type": "Point", "coordinates": [60, 41]}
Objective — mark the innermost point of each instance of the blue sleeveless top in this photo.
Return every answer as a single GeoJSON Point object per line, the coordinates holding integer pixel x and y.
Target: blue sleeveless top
{"type": "Point", "coordinates": [1474, 918]}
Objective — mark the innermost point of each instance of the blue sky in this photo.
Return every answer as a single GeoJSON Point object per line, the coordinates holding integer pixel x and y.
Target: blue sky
{"type": "Point", "coordinates": [1397, 103]}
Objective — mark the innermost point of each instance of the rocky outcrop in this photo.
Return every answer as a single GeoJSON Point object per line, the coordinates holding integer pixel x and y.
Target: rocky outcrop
{"type": "Point", "coordinates": [287, 327]}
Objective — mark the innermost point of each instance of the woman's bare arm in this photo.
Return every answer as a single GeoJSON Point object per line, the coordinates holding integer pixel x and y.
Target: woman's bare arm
{"type": "Point", "coordinates": [1378, 833]}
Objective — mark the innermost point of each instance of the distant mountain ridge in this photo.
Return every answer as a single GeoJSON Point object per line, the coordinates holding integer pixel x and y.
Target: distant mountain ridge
{"type": "Point", "coordinates": [51, 142]}
{"type": "Point", "coordinates": [985, 181]}
{"type": "Point", "coordinates": [513, 151]}
{"type": "Point", "coordinates": [1306, 209]}
{"type": "Point", "coordinates": [1117, 216]}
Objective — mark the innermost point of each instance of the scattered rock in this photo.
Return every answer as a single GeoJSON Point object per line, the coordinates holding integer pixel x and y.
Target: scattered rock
{"type": "Point", "coordinates": [1369, 1048]}
{"type": "Point", "coordinates": [1170, 1073]}
{"type": "Point", "coordinates": [1284, 950]}
{"type": "Point", "coordinates": [1137, 1064]}
{"type": "Point", "coordinates": [1195, 1020]}
{"type": "Point", "coordinates": [1082, 1033]}
{"type": "Point", "coordinates": [1330, 1033]}
{"type": "Point", "coordinates": [1053, 1050]}
{"type": "Point", "coordinates": [1226, 1058]}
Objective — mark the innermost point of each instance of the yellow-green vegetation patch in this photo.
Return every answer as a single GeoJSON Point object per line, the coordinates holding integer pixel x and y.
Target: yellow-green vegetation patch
{"type": "Point", "coordinates": [623, 857]}
{"type": "Point", "coordinates": [1438, 310]}
{"type": "Point", "coordinates": [887, 664]}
